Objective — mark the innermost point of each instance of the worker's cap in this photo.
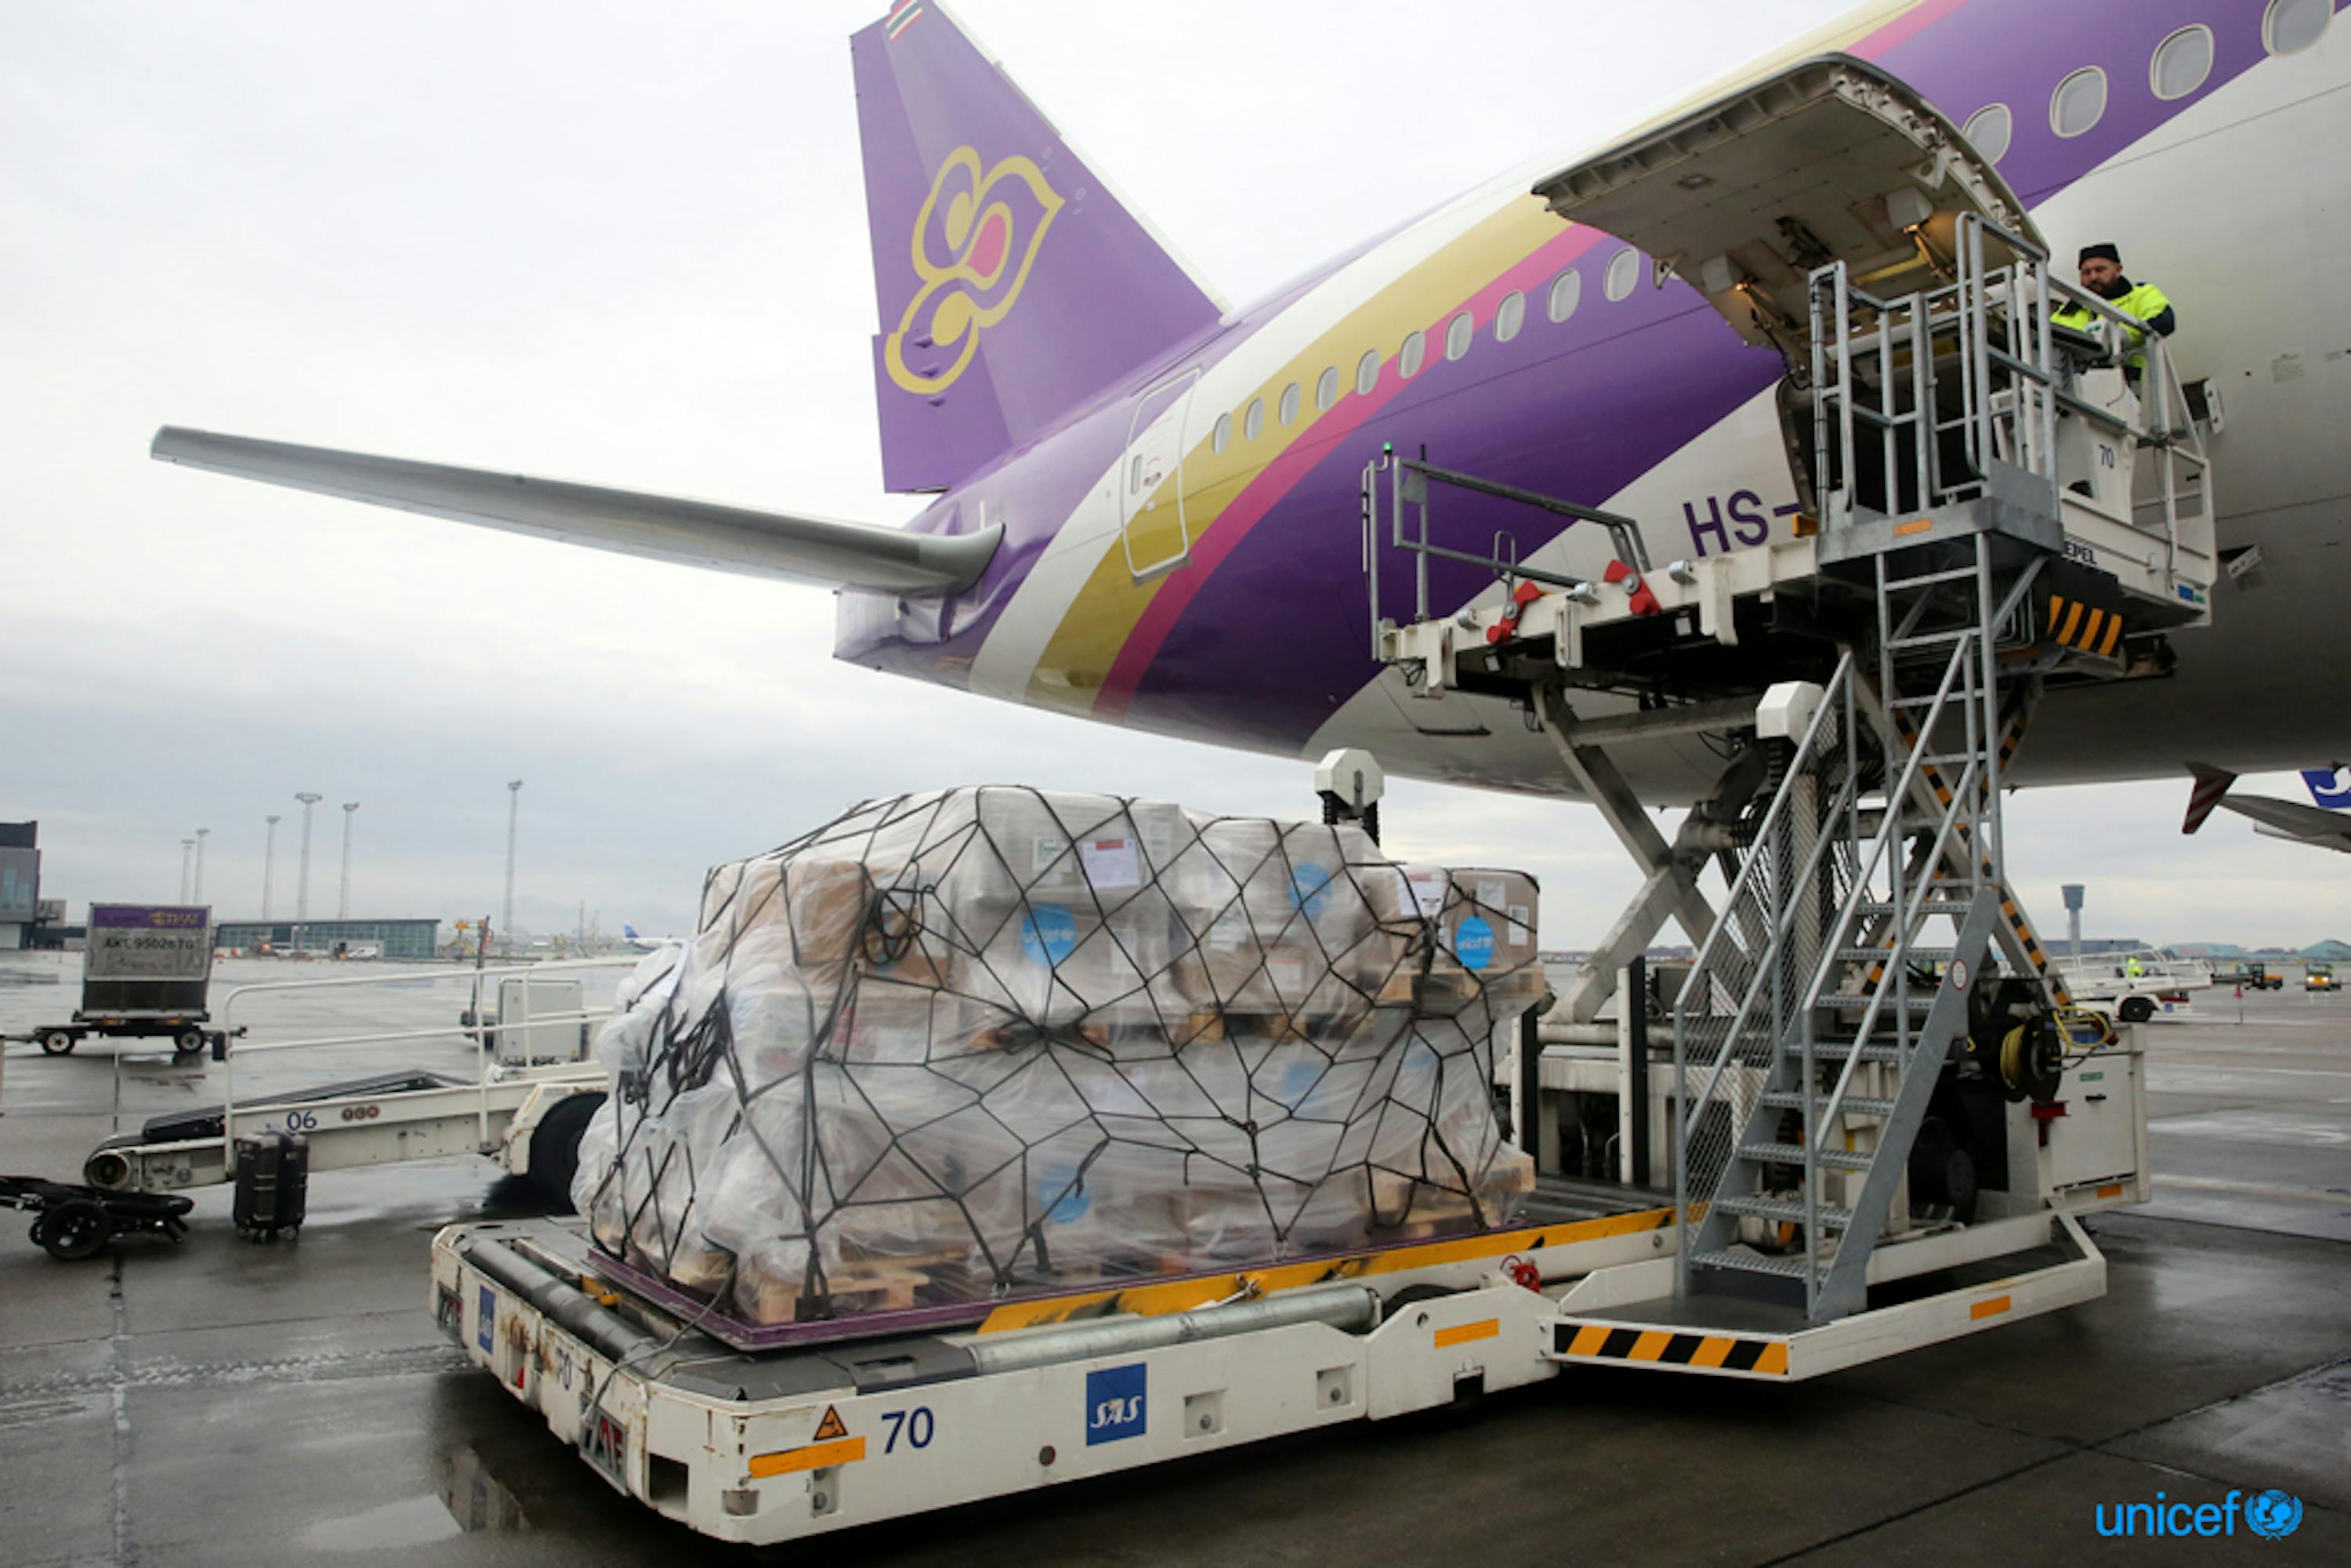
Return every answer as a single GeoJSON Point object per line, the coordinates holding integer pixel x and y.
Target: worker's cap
{"type": "Point", "coordinates": [2091, 253]}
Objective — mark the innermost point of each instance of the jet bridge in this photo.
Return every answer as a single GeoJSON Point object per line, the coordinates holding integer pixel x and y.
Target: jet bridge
{"type": "Point", "coordinates": [1990, 505]}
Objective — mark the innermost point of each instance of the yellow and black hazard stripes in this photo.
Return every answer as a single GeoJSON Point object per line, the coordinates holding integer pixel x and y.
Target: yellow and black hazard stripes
{"type": "Point", "coordinates": [2032, 945]}
{"type": "Point", "coordinates": [2085, 628]}
{"type": "Point", "coordinates": [2012, 735]}
{"type": "Point", "coordinates": [1675, 1349]}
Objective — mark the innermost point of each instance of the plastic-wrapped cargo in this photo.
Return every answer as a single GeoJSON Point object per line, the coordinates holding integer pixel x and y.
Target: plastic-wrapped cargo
{"type": "Point", "coordinates": [955, 1046]}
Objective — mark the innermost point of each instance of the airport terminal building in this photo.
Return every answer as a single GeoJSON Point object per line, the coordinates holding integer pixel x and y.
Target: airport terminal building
{"type": "Point", "coordinates": [403, 938]}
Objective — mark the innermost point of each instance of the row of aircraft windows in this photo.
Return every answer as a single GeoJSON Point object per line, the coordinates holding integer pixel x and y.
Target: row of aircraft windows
{"type": "Point", "coordinates": [2179, 65]}
{"type": "Point", "coordinates": [1560, 301]}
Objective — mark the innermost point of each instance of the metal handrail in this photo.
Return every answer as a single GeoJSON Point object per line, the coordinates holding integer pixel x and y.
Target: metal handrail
{"type": "Point", "coordinates": [479, 1032]}
{"type": "Point", "coordinates": [1410, 487]}
{"type": "Point", "coordinates": [1700, 981]}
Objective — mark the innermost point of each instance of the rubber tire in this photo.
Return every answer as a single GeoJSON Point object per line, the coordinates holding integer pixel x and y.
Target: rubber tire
{"type": "Point", "coordinates": [2134, 1009]}
{"type": "Point", "coordinates": [1943, 1167]}
{"type": "Point", "coordinates": [74, 1229]}
{"type": "Point", "coordinates": [188, 1042]}
{"type": "Point", "coordinates": [555, 1147]}
{"type": "Point", "coordinates": [58, 1042]}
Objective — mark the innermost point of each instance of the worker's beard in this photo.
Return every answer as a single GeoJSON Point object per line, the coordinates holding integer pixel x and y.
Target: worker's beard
{"type": "Point", "coordinates": [2114, 288]}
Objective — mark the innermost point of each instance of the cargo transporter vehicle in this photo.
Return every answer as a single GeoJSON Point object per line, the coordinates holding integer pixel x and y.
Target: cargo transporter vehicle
{"type": "Point", "coordinates": [1867, 1116]}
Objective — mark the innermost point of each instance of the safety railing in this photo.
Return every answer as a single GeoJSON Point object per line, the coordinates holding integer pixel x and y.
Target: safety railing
{"type": "Point", "coordinates": [1746, 987]}
{"type": "Point", "coordinates": [2103, 975]}
{"type": "Point", "coordinates": [1409, 487]}
{"type": "Point", "coordinates": [1938, 385]}
{"type": "Point", "coordinates": [1808, 877]}
{"type": "Point", "coordinates": [482, 1033]}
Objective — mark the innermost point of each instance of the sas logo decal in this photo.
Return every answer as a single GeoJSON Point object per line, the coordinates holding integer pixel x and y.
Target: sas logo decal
{"type": "Point", "coordinates": [1114, 1404]}
{"type": "Point", "coordinates": [975, 222]}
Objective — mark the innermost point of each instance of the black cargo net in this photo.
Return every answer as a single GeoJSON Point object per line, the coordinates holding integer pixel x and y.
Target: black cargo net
{"type": "Point", "coordinates": [955, 1046]}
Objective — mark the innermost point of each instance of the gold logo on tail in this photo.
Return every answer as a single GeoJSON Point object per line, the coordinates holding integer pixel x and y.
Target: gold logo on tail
{"type": "Point", "coordinates": [976, 286]}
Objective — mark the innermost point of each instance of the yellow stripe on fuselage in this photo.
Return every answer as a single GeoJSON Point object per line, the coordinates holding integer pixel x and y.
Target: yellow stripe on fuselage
{"type": "Point", "coordinates": [1104, 614]}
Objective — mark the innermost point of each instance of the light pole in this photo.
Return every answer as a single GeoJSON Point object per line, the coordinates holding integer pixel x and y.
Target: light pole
{"type": "Point", "coordinates": [198, 895]}
{"type": "Point", "coordinates": [514, 814]}
{"type": "Point", "coordinates": [309, 798]}
{"type": "Point", "coordinates": [343, 901]}
{"type": "Point", "coordinates": [268, 864]}
{"type": "Point", "coordinates": [187, 862]}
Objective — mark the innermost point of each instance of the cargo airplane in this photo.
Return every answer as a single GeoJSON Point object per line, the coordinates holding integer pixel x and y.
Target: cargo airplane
{"type": "Point", "coordinates": [1143, 501]}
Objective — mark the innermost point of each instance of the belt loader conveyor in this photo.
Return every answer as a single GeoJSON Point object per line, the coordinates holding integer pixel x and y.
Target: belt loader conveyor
{"type": "Point", "coordinates": [381, 1120]}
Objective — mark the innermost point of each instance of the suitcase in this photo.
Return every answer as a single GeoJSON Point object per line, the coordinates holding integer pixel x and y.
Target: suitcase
{"type": "Point", "coordinates": [273, 1182]}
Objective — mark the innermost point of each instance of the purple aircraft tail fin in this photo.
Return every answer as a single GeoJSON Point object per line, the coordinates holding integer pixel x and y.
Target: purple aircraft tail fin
{"type": "Point", "coordinates": [1012, 282]}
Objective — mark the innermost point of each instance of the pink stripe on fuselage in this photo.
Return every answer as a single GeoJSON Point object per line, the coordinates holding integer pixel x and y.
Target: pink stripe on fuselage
{"type": "Point", "coordinates": [1276, 479]}
{"type": "Point", "coordinates": [1903, 28]}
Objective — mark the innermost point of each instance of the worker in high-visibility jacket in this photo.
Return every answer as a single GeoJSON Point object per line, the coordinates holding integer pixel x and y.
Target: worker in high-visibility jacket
{"type": "Point", "coordinates": [2102, 275]}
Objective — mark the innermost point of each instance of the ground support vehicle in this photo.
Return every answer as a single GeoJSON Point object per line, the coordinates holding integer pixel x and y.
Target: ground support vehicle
{"type": "Point", "coordinates": [2249, 977]}
{"type": "Point", "coordinates": [1881, 1113]}
{"type": "Point", "coordinates": [852, 1421]}
{"type": "Point", "coordinates": [525, 1105]}
{"type": "Point", "coordinates": [2320, 978]}
{"type": "Point", "coordinates": [74, 1222]}
{"type": "Point", "coordinates": [2138, 984]}
{"type": "Point", "coordinates": [145, 972]}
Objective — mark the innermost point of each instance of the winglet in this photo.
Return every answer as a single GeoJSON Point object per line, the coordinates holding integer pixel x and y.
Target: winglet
{"type": "Point", "coordinates": [2210, 785]}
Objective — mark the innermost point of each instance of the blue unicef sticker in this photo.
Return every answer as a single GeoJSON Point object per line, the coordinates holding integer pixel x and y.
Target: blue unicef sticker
{"type": "Point", "coordinates": [1048, 934]}
{"type": "Point", "coordinates": [1061, 1194]}
{"type": "Point", "coordinates": [1473, 943]}
{"type": "Point", "coordinates": [485, 1321]}
{"type": "Point", "coordinates": [1114, 1404]}
{"type": "Point", "coordinates": [1310, 889]}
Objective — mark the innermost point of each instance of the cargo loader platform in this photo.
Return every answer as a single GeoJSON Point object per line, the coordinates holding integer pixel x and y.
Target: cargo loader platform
{"type": "Point", "coordinates": [1989, 506]}
{"type": "Point", "coordinates": [772, 1444]}
{"type": "Point", "coordinates": [894, 1413]}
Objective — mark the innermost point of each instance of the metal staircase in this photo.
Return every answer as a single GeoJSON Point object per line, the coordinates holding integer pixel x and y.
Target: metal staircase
{"type": "Point", "coordinates": [1820, 1010]}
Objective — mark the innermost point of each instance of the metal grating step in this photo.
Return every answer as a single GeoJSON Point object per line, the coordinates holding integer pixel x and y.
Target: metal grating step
{"type": "Point", "coordinates": [1785, 1210]}
{"type": "Point", "coordinates": [1856, 1004]}
{"type": "Point", "coordinates": [1855, 1104]}
{"type": "Point", "coordinates": [1794, 1155]}
{"type": "Point", "coordinates": [1750, 1261]}
{"type": "Point", "coordinates": [1925, 907]}
{"type": "Point", "coordinates": [1833, 1053]}
{"type": "Point", "coordinates": [1879, 955]}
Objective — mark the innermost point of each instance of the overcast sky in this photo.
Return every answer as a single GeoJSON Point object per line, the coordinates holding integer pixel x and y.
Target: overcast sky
{"type": "Point", "coordinates": [626, 244]}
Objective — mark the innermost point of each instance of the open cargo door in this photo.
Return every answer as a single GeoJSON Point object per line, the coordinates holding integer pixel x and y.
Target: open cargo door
{"type": "Point", "coordinates": [1829, 160]}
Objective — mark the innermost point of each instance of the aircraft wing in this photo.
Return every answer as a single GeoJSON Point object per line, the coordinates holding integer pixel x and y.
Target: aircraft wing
{"type": "Point", "coordinates": [660, 528]}
{"type": "Point", "coordinates": [2292, 819]}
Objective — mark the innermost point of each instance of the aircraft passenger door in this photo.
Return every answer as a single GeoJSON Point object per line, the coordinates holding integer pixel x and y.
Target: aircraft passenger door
{"type": "Point", "coordinates": [1151, 480]}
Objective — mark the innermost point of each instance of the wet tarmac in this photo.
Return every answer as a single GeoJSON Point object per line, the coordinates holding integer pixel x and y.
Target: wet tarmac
{"type": "Point", "coordinates": [223, 1402]}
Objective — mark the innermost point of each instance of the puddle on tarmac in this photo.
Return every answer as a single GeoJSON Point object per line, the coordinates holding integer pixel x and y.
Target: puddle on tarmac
{"type": "Point", "coordinates": [475, 1499]}
{"type": "Point", "coordinates": [413, 1521]}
